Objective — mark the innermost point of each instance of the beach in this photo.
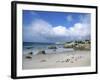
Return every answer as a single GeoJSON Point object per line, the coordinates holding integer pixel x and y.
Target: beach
{"type": "Point", "coordinates": [76, 58]}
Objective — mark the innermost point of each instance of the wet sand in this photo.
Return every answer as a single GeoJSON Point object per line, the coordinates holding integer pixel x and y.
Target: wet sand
{"type": "Point", "coordinates": [65, 59]}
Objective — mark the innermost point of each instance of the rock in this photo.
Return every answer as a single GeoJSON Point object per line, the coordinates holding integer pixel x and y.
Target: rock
{"type": "Point", "coordinates": [67, 60]}
{"type": "Point", "coordinates": [43, 52]}
{"type": "Point", "coordinates": [71, 61]}
{"type": "Point", "coordinates": [82, 47]}
{"type": "Point", "coordinates": [28, 57]}
{"type": "Point", "coordinates": [30, 53]}
{"type": "Point", "coordinates": [52, 47]}
{"type": "Point", "coordinates": [72, 57]}
{"type": "Point", "coordinates": [66, 45]}
{"type": "Point", "coordinates": [43, 61]}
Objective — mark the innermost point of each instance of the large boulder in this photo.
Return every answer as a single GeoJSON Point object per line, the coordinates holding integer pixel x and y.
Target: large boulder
{"type": "Point", "coordinates": [82, 47]}
{"type": "Point", "coordinates": [42, 52]}
{"type": "Point", "coordinates": [30, 53]}
{"type": "Point", "coordinates": [68, 45]}
{"type": "Point", "coordinates": [52, 47]}
{"type": "Point", "coordinates": [28, 57]}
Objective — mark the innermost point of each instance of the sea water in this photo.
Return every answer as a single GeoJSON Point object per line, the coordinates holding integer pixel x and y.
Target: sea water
{"type": "Point", "coordinates": [35, 47]}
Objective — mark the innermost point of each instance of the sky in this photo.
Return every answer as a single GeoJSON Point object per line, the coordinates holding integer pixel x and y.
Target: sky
{"type": "Point", "coordinates": [47, 26]}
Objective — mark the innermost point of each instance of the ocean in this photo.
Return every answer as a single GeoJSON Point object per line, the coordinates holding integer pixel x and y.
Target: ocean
{"type": "Point", "coordinates": [35, 47]}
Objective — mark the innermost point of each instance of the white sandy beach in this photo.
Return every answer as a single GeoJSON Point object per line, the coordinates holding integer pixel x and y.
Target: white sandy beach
{"type": "Point", "coordinates": [65, 59]}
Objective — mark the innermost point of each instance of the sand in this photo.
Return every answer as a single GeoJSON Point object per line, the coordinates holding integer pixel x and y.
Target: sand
{"type": "Point", "coordinates": [65, 59]}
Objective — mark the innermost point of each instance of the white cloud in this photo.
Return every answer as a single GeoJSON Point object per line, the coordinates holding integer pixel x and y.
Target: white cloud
{"type": "Point", "coordinates": [59, 31]}
{"type": "Point", "coordinates": [41, 30]}
{"type": "Point", "coordinates": [80, 29]}
{"type": "Point", "coordinates": [41, 26]}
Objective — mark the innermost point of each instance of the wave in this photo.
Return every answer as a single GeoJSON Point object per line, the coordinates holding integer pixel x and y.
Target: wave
{"type": "Point", "coordinates": [47, 51]}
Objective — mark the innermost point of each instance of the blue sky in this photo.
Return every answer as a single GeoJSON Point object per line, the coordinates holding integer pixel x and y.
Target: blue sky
{"type": "Point", "coordinates": [46, 26]}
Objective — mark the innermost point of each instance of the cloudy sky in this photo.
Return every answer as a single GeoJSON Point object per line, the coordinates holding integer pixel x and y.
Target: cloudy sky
{"type": "Point", "coordinates": [43, 26]}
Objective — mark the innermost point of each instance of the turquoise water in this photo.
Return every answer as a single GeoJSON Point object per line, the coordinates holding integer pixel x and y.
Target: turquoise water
{"type": "Point", "coordinates": [33, 45]}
